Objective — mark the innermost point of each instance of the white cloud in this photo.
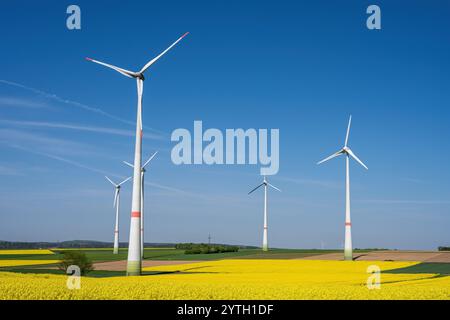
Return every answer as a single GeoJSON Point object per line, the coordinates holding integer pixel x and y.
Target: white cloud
{"type": "Point", "coordinates": [311, 182]}
{"type": "Point", "coordinates": [404, 201]}
{"type": "Point", "coordinates": [21, 103]}
{"type": "Point", "coordinates": [8, 171]}
{"type": "Point", "coordinates": [75, 104]}
{"type": "Point", "coordinates": [102, 172]}
{"type": "Point", "coordinates": [77, 127]}
{"type": "Point", "coordinates": [28, 140]}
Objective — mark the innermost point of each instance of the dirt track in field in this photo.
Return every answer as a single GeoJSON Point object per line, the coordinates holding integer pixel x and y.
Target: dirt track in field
{"type": "Point", "coordinates": [422, 256]}
{"type": "Point", "coordinates": [122, 265]}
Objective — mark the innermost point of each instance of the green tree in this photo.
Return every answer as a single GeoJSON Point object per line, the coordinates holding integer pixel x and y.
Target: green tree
{"type": "Point", "coordinates": [76, 258]}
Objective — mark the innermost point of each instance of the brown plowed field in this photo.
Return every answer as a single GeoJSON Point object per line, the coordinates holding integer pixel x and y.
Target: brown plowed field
{"type": "Point", "coordinates": [422, 256]}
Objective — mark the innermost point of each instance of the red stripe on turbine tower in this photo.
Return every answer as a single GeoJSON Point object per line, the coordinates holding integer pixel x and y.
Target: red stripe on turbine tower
{"type": "Point", "coordinates": [348, 224]}
{"type": "Point", "coordinates": [135, 214]}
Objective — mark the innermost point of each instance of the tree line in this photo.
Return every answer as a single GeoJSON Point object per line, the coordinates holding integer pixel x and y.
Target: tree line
{"type": "Point", "coordinates": [203, 248]}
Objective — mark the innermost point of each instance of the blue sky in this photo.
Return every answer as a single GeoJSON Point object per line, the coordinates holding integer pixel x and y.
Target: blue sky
{"type": "Point", "coordinates": [302, 67]}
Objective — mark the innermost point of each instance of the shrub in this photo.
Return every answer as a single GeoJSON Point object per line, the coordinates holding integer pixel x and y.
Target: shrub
{"type": "Point", "coordinates": [76, 258]}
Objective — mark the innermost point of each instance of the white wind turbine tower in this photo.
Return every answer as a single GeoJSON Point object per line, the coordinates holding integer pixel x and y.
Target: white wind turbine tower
{"type": "Point", "coordinates": [142, 198]}
{"type": "Point", "coordinates": [348, 251]}
{"type": "Point", "coordinates": [266, 184]}
{"type": "Point", "coordinates": [134, 264]}
{"type": "Point", "coordinates": [116, 204]}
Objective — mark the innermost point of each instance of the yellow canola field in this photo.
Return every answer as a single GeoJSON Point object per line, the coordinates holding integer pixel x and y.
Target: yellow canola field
{"type": "Point", "coordinates": [15, 263]}
{"type": "Point", "coordinates": [237, 279]}
{"type": "Point", "coordinates": [106, 249]}
{"type": "Point", "coordinates": [34, 251]}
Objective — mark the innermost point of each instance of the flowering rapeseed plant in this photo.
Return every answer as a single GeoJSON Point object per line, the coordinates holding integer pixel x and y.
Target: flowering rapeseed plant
{"type": "Point", "coordinates": [237, 279]}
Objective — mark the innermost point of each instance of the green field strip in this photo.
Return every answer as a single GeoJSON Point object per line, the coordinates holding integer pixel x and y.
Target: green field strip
{"type": "Point", "coordinates": [424, 267]}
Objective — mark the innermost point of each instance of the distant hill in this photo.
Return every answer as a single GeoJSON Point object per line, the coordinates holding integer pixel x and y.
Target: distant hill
{"type": "Point", "coordinates": [72, 244]}
{"type": "Point", "coordinates": [82, 244]}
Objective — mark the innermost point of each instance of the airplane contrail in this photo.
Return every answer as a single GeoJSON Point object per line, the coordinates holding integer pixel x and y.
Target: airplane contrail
{"type": "Point", "coordinates": [102, 172]}
{"type": "Point", "coordinates": [77, 127]}
{"type": "Point", "coordinates": [73, 103]}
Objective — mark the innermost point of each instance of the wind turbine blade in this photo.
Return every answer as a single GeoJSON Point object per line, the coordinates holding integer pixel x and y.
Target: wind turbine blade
{"type": "Point", "coordinates": [150, 159]}
{"type": "Point", "coordinates": [125, 72]}
{"type": "Point", "coordinates": [273, 187]}
{"type": "Point", "coordinates": [115, 185]}
{"type": "Point", "coordinates": [348, 130]}
{"type": "Point", "coordinates": [256, 188]}
{"type": "Point", "coordinates": [124, 181]}
{"type": "Point", "coordinates": [128, 164]}
{"type": "Point", "coordinates": [334, 155]}
{"type": "Point", "coordinates": [161, 54]}
{"type": "Point", "coordinates": [350, 152]}
{"type": "Point", "coordinates": [116, 194]}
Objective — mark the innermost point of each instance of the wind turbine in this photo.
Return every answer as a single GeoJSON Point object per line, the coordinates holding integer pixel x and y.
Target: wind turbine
{"type": "Point", "coordinates": [348, 251]}
{"type": "Point", "coordinates": [116, 204]}
{"type": "Point", "coordinates": [134, 264]}
{"type": "Point", "coordinates": [142, 198]}
{"type": "Point", "coordinates": [266, 184]}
